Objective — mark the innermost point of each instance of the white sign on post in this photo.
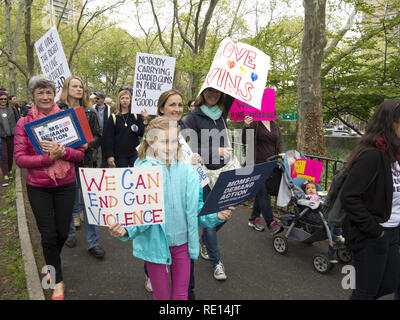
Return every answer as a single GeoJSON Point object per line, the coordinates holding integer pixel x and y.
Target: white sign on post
{"type": "Point", "coordinates": [129, 196]}
{"type": "Point", "coordinates": [153, 75]}
{"type": "Point", "coordinates": [52, 59]}
{"type": "Point", "coordinates": [239, 70]}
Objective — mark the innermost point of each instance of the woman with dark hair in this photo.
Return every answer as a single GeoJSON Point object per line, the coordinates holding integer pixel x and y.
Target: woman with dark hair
{"type": "Point", "coordinates": [8, 120]}
{"type": "Point", "coordinates": [122, 133]}
{"type": "Point", "coordinates": [371, 198]}
{"type": "Point", "coordinates": [210, 113]}
{"type": "Point", "coordinates": [50, 181]}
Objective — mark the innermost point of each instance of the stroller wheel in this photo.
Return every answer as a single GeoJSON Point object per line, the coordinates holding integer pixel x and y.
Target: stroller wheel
{"type": "Point", "coordinates": [280, 244]}
{"type": "Point", "coordinates": [344, 255]}
{"type": "Point", "coordinates": [321, 263]}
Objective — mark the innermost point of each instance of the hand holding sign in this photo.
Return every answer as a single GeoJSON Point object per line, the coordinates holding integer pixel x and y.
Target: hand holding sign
{"type": "Point", "coordinates": [117, 230]}
{"type": "Point", "coordinates": [226, 214]}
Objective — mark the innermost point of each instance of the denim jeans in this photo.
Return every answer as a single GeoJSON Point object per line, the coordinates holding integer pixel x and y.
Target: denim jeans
{"type": "Point", "coordinates": [209, 236]}
{"type": "Point", "coordinates": [262, 205]}
{"type": "Point", "coordinates": [377, 267]}
{"type": "Point", "coordinates": [92, 234]}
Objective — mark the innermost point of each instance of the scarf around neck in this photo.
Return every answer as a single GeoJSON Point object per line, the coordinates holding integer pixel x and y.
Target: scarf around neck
{"type": "Point", "coordinates": [214, 113]}
{"type": "Point", "coordinates": [60, 168]}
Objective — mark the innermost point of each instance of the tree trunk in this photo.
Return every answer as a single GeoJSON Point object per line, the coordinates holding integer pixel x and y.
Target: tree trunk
{"type": "Point", "coordinates": [30, 58]}
{"type": "Point", "coordinates": [310, 133]}
{"type": "Point", "coordinates": [12, 43]}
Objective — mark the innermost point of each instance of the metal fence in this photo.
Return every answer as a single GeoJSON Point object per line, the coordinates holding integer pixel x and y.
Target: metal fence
{"type": "Point", "coordinates": [331, 166]}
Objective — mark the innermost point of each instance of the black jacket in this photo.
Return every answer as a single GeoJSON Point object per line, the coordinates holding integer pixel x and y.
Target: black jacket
{"type": "Point", "coordinates": [197, 120]}
{"type": "Point", "coordinates": [91, 152]}
{"type": "Point", "coordinates": [120, 141]}
{"type": "Point", "coordinates": [367, 203]}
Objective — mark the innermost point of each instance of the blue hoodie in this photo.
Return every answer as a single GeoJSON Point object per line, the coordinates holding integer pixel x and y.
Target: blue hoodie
{"type": "Point", "coordinates": [183, 202]}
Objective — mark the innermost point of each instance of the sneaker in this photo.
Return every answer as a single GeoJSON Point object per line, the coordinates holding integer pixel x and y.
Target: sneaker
{"type": "Point", "coordinates": [339, 239]}
{"type": "Point", "coordinates": [147, 284]}
{"type": "Point", "coordinates": [275, 227]}
{"type": "Point", "coordinates": [97, 252]}
{"type": "Point", "coordinates": [203, 252]}
{"type": "Point", "coordinates": [219, 272]}
{"type": "Point", "coordinates": [71, 242]}
{"type": "Point", "coordinates": [256, 225]}
{"type": "Point", "coordinates": [77, 221]}
{"type": "Point", "coordinates": [5, 183]}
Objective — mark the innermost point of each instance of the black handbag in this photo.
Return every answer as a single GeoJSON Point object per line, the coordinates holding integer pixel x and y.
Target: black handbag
{"type": "Point", "coordinates": [274, 180]}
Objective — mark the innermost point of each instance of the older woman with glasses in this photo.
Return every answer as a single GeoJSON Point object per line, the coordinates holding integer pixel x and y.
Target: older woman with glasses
{"type": "Point", "coordinates": [50, 180]}
{"type": "Point", "coordinates": [8, 119]}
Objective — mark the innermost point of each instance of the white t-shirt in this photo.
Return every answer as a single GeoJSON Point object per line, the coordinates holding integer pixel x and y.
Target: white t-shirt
{"type": "Point", "coordinates": [394, 220]}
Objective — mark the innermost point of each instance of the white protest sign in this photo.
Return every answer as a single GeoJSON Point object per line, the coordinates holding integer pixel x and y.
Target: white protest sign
{"type": "Point", "coordinates": [62, 130]}
{"type": "Point", "coordinates": [239, 70]}
{"type": "Point", "coordinates": [153, 75]}
{"type": "Point", "coordinates": [129, 196]}
{"type": "Point", "coordinates": [52, 59]}
{"type": "Point", "coordinates": [187, 155]}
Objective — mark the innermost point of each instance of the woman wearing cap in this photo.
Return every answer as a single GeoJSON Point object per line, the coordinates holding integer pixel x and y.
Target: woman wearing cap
{"type": "Point", "coordinates": [8, 120]}
{"type": "Point", "coordinates": [50, 181]}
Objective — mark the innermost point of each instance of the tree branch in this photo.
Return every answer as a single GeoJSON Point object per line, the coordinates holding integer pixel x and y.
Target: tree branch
{"type": "Point", "coordinates": [159, 29]}
{"type": "Point", "coordinates": [182, 33]}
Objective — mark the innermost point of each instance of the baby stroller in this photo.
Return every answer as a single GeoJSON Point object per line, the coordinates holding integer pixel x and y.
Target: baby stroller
{"type": "Point", "coordinates": [307, 223]}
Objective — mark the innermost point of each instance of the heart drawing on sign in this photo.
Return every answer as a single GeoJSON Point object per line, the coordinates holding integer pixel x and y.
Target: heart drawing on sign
{"type": "Point", "coordinates": [254, 76]}
{"type": "Point", "coordinates": [242, 70]}
{"type": "Point", "coordinates": [231, 64]}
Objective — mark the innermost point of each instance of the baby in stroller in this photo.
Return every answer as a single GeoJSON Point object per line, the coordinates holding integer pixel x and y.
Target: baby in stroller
{"type": "Point", "coordinates": [306, 223]}
{"type": "Point", "coordinates": [310, 189]}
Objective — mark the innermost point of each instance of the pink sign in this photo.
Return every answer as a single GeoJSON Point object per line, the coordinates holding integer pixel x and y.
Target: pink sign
{"type": "Point", "coordinates": [307, 169]}
{"type": "Point", "coordinates": [240, 109]}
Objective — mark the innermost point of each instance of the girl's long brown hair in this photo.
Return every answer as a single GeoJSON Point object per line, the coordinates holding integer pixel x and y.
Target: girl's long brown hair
{"type": "Point", "coordinates": [380, 125]}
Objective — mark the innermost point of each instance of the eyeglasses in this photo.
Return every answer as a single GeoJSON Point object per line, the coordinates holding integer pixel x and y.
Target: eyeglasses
{"type": "Point", "coordinates": [3, 99]}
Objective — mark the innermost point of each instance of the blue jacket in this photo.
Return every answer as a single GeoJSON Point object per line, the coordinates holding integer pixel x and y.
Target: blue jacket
{"type": "Point", "coordinates": [150, 242]}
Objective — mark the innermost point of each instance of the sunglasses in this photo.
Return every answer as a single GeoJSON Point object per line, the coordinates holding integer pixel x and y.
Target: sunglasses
{"type": "Point", "coordinates": [3, 99]}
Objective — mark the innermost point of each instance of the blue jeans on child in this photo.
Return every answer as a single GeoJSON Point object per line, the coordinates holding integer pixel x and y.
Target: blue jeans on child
{"type": "Point", "coordinates": [92, 234]}
{"type": "Point", "coordinates": [262, 205]}
{"type": "Point", "coordinates": [209, 236]}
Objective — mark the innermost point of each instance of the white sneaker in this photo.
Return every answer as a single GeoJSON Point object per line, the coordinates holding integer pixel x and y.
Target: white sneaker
{"type": "Point", "coordinates": [203, 252]}
{"type": "Point", "coordinates": [219, 272]}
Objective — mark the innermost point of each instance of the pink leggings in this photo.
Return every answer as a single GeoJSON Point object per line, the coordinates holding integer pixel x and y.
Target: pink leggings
{"type": "Point", "coordinates": [180, 275]}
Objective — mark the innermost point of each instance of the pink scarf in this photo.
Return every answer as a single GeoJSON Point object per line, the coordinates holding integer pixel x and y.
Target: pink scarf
{"type": "Point", "coordinates": [60, 168]}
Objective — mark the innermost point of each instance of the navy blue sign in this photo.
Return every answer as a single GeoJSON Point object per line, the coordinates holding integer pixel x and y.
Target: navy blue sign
{"type": "Point", "coordinates": [237, 186]}
{"type": "Point", "coordinates": [62, 127]}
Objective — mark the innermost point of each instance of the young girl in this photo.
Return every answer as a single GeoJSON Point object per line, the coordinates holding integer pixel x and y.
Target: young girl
{"type": "Point", "coordinates": [169, 246]}
{"type": "Point", "coordinates": [310, 188]}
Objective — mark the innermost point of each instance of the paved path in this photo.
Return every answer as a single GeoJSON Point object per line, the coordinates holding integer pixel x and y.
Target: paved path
{"type": "Point", "coordinates": [255, 271]}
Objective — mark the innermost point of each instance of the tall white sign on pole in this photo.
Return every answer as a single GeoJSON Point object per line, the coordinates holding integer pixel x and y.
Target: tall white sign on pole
{"type": "Point", "coordinates": [52, 59]}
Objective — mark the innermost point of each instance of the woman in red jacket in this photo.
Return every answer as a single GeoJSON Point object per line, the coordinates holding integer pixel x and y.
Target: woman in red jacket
{"type": "Point", "coordinates": [50, 180]}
